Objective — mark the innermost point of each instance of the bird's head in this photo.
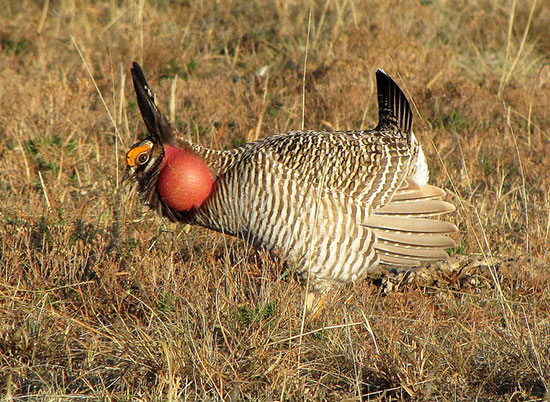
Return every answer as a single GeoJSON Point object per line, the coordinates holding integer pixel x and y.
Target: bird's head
{"type": "Point", "coordinates": [168, 173]}
{"type": "Point", "coordinates": [143, 162]}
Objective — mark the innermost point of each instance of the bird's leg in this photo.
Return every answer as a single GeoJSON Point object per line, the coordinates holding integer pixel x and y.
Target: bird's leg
{"type": "Point", "coordinates": [314, 303]}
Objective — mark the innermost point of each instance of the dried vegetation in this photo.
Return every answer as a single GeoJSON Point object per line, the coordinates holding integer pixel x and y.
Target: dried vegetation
{"type": "Point", "coordinates": [102, 300]}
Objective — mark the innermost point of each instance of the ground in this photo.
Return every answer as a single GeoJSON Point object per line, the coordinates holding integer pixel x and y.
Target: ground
{"type": "Point", "coordinates": [100, 299]}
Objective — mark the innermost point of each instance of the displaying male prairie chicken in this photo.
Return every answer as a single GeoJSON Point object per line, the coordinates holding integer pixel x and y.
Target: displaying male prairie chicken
{"type": "Point", "coordinates": [334, 205]}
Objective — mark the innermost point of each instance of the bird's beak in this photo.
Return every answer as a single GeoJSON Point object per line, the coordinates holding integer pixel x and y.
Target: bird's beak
{"type": "Point", "coordinates": [129, 174]}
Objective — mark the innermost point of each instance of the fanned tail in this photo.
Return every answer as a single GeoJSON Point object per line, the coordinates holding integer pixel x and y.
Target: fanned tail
{"type": "Point", "coordinates": [405, 232]}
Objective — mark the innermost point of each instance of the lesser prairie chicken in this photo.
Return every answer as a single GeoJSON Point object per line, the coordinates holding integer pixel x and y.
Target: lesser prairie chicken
{"type": "Point", "coordinates": [334, 205]}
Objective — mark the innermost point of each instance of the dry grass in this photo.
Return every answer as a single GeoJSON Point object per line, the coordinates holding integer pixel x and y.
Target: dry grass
{"type": "Point", "coordinates": [100, 299]}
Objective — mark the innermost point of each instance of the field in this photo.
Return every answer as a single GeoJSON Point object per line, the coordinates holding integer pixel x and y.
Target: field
{"type": "Point", "coordinates": [100, 299]}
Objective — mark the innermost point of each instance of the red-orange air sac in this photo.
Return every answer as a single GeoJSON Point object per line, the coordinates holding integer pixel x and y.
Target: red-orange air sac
{"type": "Point", "coordinates": [185, 181]}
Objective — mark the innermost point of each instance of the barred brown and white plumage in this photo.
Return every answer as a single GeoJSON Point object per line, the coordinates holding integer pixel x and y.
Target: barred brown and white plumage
{"type": "Point", "coordinates": [334, 205]}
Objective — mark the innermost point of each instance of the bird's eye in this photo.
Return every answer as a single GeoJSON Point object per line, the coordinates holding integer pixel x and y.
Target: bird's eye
{"type": "Point", "coordinates": [139, 154]}
{"type": "Point", "coordinates": [142, 158]}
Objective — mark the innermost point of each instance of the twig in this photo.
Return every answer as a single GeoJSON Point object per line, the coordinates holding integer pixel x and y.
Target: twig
{"type": "Point", "coordinates": [44, 191]}
{"type": "Point", "coordinates": [523, 192]}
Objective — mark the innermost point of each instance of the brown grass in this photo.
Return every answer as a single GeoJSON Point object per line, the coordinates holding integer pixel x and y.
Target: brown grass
{"type": "Point", "coordinates": [101, 299]}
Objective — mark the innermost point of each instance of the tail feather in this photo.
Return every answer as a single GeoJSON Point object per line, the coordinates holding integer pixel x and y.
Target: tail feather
{"type": "Point", "coordinates": [409, 225]}
{"type": "Point", "coordinates": [394, 111]}
{"type": "Point", "coordinates": [416, 253]}
{"type": "Point", "coordinates": [414, 239]}
{"type": "Point", "coordinates": [405, 233]}
{"type": "Point", "coordinates": [418, 207]}
{"type": "Point", "coordinates": [390, 259]}
{"type": "Point", "coordinates": [412, 192]}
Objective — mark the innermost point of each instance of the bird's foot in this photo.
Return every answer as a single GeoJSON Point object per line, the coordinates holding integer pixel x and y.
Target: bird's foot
{"type": "Point", "coordinates": [314, 304]}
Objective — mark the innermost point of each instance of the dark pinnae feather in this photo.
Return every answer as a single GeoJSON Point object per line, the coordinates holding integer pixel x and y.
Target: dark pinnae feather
{"type": "Point", "coordinates": [394, 110]}
{"type": "Point", "coordinates": [157, 124]}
